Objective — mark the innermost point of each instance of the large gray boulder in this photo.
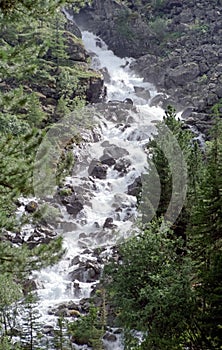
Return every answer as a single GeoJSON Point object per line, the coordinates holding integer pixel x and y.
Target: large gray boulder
{"type": "Point", "coordinates": [181, 75]}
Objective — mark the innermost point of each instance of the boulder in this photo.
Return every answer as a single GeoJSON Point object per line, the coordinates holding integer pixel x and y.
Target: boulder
{"type": "Point", "coordinates": [110, 337]}
{"type": "Point", "coordinates": [96, 90]}
{"type": "Point", "coordinates": [142, 92]}
{"type": "Point", "coordinates": [181, 75]}
{"type": "Point", "coordinates": [135, 188]}
{"type": "Point", "coordinates": [109, 223]}
{"type": "Point", "coordinates": [112, 153]}
{"type": "Point", "coordinates": [97, 169]}
{"type": "Point", "coordinates": [74, 47]}
{"type": "Point", "coordinates": [72, 203]}
{"type": "Point", "coordinates": [74, 208]}
{"type": "Point", "coordinates": [122, 166]}
{"type": "Point", "coordinates": [31, 207]}
{"type": "Point", "coordinates": [89, 272]}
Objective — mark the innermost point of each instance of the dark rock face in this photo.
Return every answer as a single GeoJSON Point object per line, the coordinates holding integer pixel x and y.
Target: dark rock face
{"type": "Point", "coordinates": [97, 169]}
{"type": "Point", "coordinates": [89, 272]}
{"type": "Point", "coordinates": [109, 223]}
{"type": "Point", "coordinates": [95, 91]}
{"type": "Point", "coordinates": [126, 33]}
{"type": "Point", "coordinates": [73, 204]}
{"type": "Point", "coordinates": [177, 45]}
{"type": "Point", "coordinates": [189, 67]}
{"type": "Point", "coordinates": [181, 75]}
{"type": "Point", "coordinates": [135, 188]}
{"type": "Point", "coordinates": [31, 207]}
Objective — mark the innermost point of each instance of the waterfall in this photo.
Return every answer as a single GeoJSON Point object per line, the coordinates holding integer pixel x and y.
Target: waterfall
{"type": "Point", "coordinates": [109, 209]}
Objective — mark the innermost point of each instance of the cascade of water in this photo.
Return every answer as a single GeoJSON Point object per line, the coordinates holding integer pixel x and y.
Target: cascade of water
{"type": "Point", "coordinates": [110, 210]}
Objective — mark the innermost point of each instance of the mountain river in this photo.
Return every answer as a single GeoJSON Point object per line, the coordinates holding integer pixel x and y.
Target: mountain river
{"type": "Point", "coordinates": [123, 124]}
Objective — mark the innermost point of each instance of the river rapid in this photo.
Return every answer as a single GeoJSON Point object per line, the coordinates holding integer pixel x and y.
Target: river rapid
{"type": "Point", "coordinates": [107, 169]}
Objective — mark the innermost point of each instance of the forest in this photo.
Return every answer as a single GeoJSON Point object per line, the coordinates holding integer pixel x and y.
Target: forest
{"type": "Point", "coordinates": [166, 284]}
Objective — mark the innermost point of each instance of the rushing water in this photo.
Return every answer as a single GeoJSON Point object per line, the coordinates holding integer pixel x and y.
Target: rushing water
{"type": "Point", "coordinates": [107, 197]}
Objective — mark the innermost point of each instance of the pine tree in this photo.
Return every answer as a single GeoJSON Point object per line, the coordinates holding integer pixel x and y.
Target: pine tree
{"type": "Point", "coordinates": [173, 174]}
{"type": "Point", "coordinates": [205, 234]}
{"type": "Point", "coordinates": [151, 288]}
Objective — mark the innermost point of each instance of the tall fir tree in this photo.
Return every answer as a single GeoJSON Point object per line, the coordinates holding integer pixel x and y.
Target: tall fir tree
{"type": "Point", "coordinates": [205, 237]}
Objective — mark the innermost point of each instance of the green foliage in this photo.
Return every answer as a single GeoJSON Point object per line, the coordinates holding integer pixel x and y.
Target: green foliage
{"type": "Point", "coordinates": [168, 283]}
{"type": "Point", "coordinates": [151, 287]}
{"type": "Point", "coordinates": [61, 338]}
{"type": "Point", "coordinates": [174, 166]}
{"type": "Point", "coordinates": [47, 214]}
{"type": "Point", "coordinates": [123, 24]}
{"type": "Point", "coordinates": [159, 28]}
{"type": "Point", "coordinates": [205, 237]}
{"type": "Point", "coordinates": [88, 329]}
{"type": "Point", "coordinates": [19, 111]}
{"type": "Point", "coordinates": [16, 157]}
{"type": "Point", "coordinates": [15, 8]}
{"type": "Point", "coordinates": [217, 109]}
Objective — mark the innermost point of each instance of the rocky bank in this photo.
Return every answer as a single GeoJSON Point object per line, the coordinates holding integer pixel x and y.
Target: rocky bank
{"type": "Point", "coordinates": [176, 45]}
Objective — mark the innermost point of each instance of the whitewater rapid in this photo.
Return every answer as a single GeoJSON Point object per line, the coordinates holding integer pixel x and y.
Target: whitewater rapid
{"type": "Point", "coordinates": [106, 195]}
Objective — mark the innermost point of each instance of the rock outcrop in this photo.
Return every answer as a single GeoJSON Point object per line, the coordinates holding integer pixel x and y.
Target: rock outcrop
{"type": "Point", "coordinates": [177, 46]}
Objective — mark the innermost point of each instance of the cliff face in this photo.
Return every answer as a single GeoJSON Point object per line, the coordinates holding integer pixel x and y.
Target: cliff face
{"type": "Point", "coordinates": [177, 46]}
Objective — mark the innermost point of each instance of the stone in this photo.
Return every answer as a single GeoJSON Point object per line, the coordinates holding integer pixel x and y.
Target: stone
{"type": "Point", "coordinates": [112, 153]}
{"type": "Point", "coordinates": [89, 272]}
{"type": "Point", "coordinates": [31, 207]}
{"type": "Point", "coordinates": [96, 91]}
{"type": "Point", "coordinates": [110, 337]}
{"type": "Point", "coordinates": [109, 223]}
{"type": "Point", "coordinates": [142, 92]}
{"type": "Point", "coordinates": [97, 169]}
{"type": "Point", "coordinates": [135, 188]}
{"type": "Point", "coordinates": [122, 166]}
{"type": "Point", "coordinates": [74, 208]}
{"type": "Point", "coordinates": [181, 75]}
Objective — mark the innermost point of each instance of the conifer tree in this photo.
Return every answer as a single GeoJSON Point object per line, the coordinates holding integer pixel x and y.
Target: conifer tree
{"type": "Point", "coordinates": [205, 236]}
{"type": "Point", "coordinates": [151, 289]}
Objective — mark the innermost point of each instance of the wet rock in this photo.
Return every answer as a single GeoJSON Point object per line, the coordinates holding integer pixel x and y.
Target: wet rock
{"type": "Point", "coordinates": [84, 305]}
{"type": "Point", "coordinates": [142, 92]}
{"type": "Point", "coordinates": [107, 159]}
{"type": "Point", "coordinates": [74, 208]}
{"type": "Point", "coordinates": [67, 226]}
{"type": "Point", "coordinates": [109, 223]}
{"type": "Point", "coordinates": [135, 188]}
{"type": "Point", "coordinates": [187, 112]}
{"type": "Point", "coordinates": [31, 207]}
{"type": "Point", "coordinates": [76, 289]}
{"type": "Point", "coordinates": [89, 272]}
{"type": "Point", "coordinates": [73, 28]}
{"type": "Point", "coordinates": [28, 286]}
{"type": "Point", "coordinates": [105, 74]}
{"type": "Point", "coordinates": [97, 169]}
{"type": "Point", "coordinates": [72, 203]}
{"type": "Point", "coordinates": [75, 261]}
{"type": "Point", "coordinates": [158, 100]}
{"type": "Point", "coordinates": [96, 90]}
{"type": "Point", "coordinates": [110, 337]}
{"type": "Point", "coordinates": [112, 153]}
{"type": "Point", "coordinates": [122, 166]}
{"type": "Point", "coordinates": [128, 101]}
